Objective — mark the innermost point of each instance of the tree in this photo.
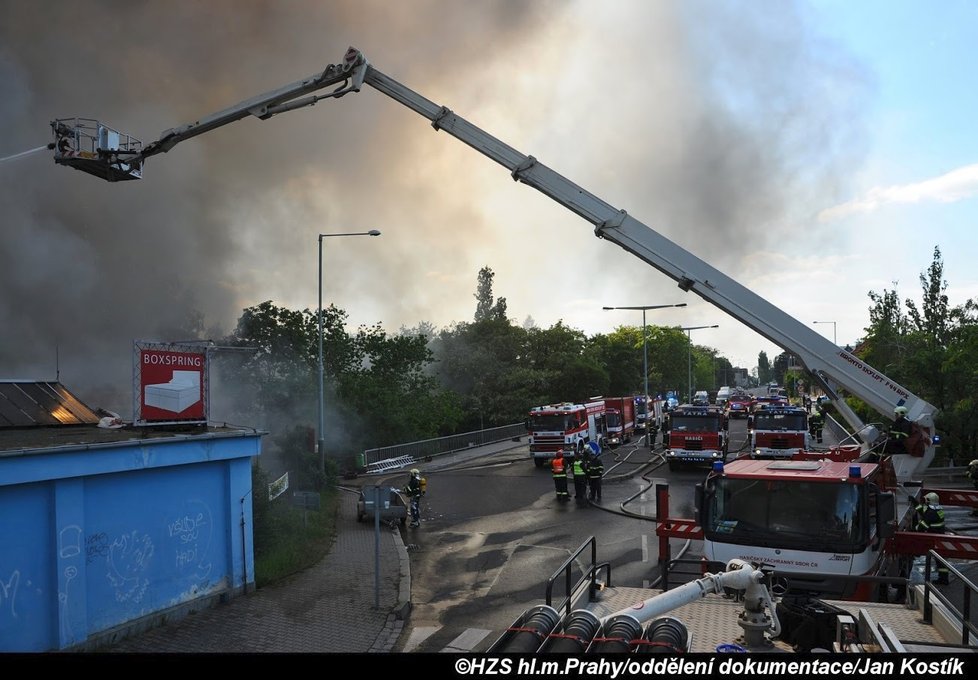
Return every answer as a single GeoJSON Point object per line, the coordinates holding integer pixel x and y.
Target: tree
{"type": "Point", "coordinates": [485, 308]}
{"type": "Point", "coordinates": [763, 368]}
{"type": "Point", "coordinates": [931, 351]}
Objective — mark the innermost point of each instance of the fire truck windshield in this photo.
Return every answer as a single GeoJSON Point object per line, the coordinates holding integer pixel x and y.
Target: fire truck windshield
{"type": "Point", "coordinates": [764, 420]}
{"type": "Point", "coordinates": [786, 514]}
{"type": "Point", "coordinates": [612, 419]}
{"type": "Point", "coordinates": [550, 422]}
{"type": "Point", "coordinates": [688, 423]}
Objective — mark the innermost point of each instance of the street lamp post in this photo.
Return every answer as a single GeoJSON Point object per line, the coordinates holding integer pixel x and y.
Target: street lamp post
{"type": "Point", "coordinates": [689, 355]}
{"type": "Point", "coordinates": [834, 340]}
{"type": "Point", "coordinates": [645, 343]}
{"type": "Point", "coordinates": [322, 407]}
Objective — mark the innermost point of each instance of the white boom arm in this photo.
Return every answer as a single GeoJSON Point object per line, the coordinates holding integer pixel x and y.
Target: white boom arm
{"type": "Point", "coordinates": [829, 365]}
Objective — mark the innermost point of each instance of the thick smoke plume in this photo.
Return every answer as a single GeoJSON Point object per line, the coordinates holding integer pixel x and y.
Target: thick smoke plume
{"type": "Point", "coordinates": [710, 121]}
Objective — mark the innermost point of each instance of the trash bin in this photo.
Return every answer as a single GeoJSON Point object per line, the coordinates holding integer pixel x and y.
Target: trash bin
{"type": "Point", "coordinates": [361, 461]}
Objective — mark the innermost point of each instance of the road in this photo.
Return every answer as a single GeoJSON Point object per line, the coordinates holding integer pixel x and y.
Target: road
{"type": "Point", "coordinates": [493, 532]}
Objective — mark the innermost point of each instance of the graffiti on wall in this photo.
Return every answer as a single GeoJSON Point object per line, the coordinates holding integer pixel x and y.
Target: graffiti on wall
{"type": "Point", "coordinates": [190, 534]}
{"type": "Point", "coordinates": [128, 561]}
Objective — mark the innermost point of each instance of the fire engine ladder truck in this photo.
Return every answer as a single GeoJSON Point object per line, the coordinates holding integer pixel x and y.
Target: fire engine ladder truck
{"type": "Point", "coordinates": [828, 365]}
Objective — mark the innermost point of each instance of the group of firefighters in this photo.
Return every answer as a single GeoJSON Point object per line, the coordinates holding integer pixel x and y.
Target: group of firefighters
{"type": "Point", "coordinates": [586, 470]}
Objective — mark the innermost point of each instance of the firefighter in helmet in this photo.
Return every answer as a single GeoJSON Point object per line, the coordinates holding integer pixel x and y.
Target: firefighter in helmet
{"type": "Point", "coordinates": [559, 470]}
{"type": "Point", "coordinates": [595, 471]}
{"type": "Point", "coordinates": [930, 519]}
{"type": "Point", "coordinates": [580, 476]}
{"type": "Point", "coordinates": [899, 432]}
{"type": "Point", "coordinates": [816, 422]}
{"type": "Point", "coordinates": [415, 489]}
{"type": "Point", "coordinates": [972, 474]}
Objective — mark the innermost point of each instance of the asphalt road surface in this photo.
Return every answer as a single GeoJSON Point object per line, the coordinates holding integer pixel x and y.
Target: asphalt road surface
{"type": "Point", "coordinates": [493, 532]}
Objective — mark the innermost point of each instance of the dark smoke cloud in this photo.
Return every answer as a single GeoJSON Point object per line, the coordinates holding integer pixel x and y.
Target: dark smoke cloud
{"type": "Point", "coordinates": [695, 116]}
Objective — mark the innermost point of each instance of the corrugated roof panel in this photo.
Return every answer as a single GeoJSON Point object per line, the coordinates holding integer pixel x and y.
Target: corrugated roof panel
{"type": "Point", "coordinates": [31, 412]}
{"type": "Point", "coordinates": [33, 404]}
{"type": "Point", "coordinates": [81, 412]}
{"type": "Point", "coordinates": [10, 415]}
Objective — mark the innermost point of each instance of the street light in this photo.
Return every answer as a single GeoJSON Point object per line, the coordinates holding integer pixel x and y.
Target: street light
{"type": "Point", "coordinates": [645, 342]}
{"type": "Point", "coordinates": [834, 341]}
{"type": "Point", "coordinates": [689, 354]}
{"type": "Point", "coordinates": [322, 413]}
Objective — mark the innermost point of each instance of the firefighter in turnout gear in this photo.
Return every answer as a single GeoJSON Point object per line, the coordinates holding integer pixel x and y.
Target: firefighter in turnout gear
{"type": "Point", "coordinates": [595, 470]}
{"type": "Point", "coordinates": [416, 487]}
{"type": "Point", "coordinates": [580, 478]}
{"type": "Point", "coordinates": [559, 468]}
{"type": "Point", "coordinates": [972, 474]}
{"type": "Point", "coordinates": [896, 441]}
{"type": "Point", "coordinates": [816, 423]}
{"type": "Point", "coordinates": [930, 519]}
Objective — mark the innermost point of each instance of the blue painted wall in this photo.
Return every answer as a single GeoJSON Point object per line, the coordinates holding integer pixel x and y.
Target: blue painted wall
{"type": "Point", "coordinates": [93, 538]}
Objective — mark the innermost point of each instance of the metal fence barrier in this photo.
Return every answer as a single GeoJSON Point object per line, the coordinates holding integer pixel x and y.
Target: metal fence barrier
{"type": "Point", "coordinates": [384, 457]}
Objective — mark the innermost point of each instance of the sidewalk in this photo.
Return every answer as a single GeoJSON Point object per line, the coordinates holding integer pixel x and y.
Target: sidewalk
{"type": "Point", "coordinates": [327, 608]}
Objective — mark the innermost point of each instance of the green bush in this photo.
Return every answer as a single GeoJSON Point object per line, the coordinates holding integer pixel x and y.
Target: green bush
{"type": "Point", "coordinates": [288, 539]}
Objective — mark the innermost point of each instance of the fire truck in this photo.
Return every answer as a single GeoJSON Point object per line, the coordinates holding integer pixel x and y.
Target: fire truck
{"type": "Point", "coordinates": [642, 402]}
{"type": "Point", "coordinates": [778, 431]}
{"type": "Point", "coordinates": [818, 521]}
{"type": "Point", "coordinates": [566, 427]}
{"type": "Point", "coordinates": [829, 369]}
{"type": "Point", "coordinates": [620, 419]}
{"type": "Point", "coordinates": [695, 435]}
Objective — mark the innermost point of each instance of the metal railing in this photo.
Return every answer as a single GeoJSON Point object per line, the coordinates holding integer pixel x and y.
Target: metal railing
{"type": "Point", "coordinates": [968, 588]}
{"type": "Point", "coordinates": [428, 448]}
{"type": "Point", "coordinates": [589, 576]}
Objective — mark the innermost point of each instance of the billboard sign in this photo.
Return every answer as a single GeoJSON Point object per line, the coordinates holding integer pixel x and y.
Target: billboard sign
{"type": "Point", "coordinates": [171, 383]}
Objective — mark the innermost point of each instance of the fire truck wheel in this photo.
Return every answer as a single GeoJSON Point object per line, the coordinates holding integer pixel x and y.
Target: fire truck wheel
{"type": "Point", "coordinates": [673, 465]}
{"type": "Point", "coordinates": [538, 462]}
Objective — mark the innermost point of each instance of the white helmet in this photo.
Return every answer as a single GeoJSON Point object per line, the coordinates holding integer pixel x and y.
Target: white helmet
{"type": "Point", "coordinates": [932, 498]}
{"type": "Point", "coordinates": [900, 411]}
{"type": "Point", "coordinates": [415, 472]}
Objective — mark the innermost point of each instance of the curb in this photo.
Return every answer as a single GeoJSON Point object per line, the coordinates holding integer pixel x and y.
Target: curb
{"type": "Point", "coordinates": [403, 608]}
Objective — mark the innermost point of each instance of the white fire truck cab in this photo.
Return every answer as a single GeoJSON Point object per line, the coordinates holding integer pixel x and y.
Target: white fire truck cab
{"type": "Point", "coordinates": [566, 427]}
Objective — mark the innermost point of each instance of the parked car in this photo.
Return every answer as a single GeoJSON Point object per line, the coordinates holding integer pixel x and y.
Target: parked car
{"type": "Point", "coordinates": [393, 507]}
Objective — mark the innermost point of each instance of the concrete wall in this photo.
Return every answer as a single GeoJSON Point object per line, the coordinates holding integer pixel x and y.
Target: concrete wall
{"type": "Point", "coordinates": [99, 538]}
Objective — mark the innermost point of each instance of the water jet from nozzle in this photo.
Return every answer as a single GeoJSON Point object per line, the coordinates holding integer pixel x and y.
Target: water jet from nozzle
{"type": "Point", "coordinates": [27, 153]}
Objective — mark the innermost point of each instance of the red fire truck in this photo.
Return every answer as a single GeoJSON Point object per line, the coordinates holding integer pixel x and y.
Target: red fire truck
{"type": "Point", "coordinates": [566, 426]}
{"type": "Point", "coordinates": [620, 419]}
{"type": "Point", "coordinates": [695, 434]}
{"type": "Point", "coordinates": [777, 431]}
{"type": "Point", "coordinates": [818, 520]}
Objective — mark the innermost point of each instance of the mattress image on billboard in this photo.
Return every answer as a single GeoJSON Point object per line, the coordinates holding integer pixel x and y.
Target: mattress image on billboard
{"type": "Point", "coordinates": [183, 391]}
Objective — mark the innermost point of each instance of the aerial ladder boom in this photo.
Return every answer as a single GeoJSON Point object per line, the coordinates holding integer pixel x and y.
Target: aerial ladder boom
{"type": "Point", "coordinates": [830, 366]}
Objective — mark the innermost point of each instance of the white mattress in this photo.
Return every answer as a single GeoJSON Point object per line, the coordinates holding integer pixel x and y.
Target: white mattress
{"type": "Point", "coordinates": [182, 392]}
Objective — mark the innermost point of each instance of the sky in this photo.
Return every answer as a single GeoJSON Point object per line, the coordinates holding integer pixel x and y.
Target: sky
{"type": "Point", "coordinates": [813, 151]}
